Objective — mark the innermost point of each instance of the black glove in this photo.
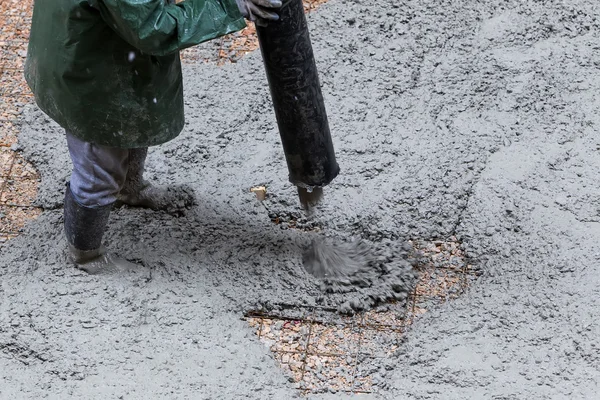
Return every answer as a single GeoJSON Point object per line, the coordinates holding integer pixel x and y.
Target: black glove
{"type": "Point", "coordinates": [259, 11]}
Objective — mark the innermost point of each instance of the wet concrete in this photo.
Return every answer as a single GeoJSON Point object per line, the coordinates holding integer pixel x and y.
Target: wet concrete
{"type": "Point", "coordinates": [360, 274]}
{"type": "Point", "coordinates": [453, 118]}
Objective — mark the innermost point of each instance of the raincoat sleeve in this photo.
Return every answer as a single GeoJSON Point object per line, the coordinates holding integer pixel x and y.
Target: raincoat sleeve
{"type": "Point", "coordinates": [158, 28]}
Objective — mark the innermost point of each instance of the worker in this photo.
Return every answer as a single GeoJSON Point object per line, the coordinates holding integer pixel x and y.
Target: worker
{"type": "Point", "coordinates": [109, 73]}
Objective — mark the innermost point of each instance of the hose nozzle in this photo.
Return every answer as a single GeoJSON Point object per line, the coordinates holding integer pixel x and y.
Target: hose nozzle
{"type": "Point", "coordinates": [309, 197]}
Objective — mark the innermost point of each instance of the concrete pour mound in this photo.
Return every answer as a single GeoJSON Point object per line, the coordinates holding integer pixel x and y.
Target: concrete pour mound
{"type": "Point", "coordinates": [477, 119]}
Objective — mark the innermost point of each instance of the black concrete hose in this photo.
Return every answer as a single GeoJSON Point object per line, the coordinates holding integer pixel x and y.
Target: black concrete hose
{"type": "Point", "coordinates": [298, 102]}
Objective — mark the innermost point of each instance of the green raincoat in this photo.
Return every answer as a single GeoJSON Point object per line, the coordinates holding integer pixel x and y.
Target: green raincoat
{"type": "Point", "coordinates": [108, 71]}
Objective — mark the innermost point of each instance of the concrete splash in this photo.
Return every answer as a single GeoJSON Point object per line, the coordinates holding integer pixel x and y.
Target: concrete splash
{"type": "Point", "coordinates": [362, 274]}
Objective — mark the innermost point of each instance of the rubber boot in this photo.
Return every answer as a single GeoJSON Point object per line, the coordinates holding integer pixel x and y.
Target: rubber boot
{"type": "Point", "coordinates": [138, 192]}
{"type": "Point", "coordinates": [84, 228]}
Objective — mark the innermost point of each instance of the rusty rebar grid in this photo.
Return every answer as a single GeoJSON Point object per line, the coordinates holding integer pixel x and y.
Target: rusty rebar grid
{"type": "Point", "coordinates": [442, 278]}
{"type": "Point", "coordinates": [313, 316]}
{"type": "Point", "coordinates": [15, 20]}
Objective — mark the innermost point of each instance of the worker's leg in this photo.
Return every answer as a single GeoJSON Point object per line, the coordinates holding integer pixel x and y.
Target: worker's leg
{"type": "Point", "coordinates": [98, 175]}
{"type": "Point", "coordinates": [139, 192]}
{"type": "Point", "coordinates": [98, 172]}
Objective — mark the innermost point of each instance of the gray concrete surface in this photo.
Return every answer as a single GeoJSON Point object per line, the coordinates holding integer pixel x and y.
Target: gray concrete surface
{"type": "Point", "coordinates": [475, 119]}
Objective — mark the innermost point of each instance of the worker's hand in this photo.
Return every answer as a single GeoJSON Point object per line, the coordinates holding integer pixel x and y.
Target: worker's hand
{"type": "Point", "coordinates": [259, 11]}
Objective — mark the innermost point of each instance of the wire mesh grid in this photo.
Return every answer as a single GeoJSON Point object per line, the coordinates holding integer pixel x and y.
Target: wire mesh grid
{"type": "Point", "coordinates": [18, 180]}
{"type": "Point", "coordinates": [323, 351]}
{"type": "Point", "coordinates": [329, 348]}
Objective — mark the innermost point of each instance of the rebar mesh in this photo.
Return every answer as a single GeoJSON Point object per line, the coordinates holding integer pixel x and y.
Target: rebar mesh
{"type": "Point", "coordinates": [323, 351]}
{"type": "Point", "coordinates": [18, 180]}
